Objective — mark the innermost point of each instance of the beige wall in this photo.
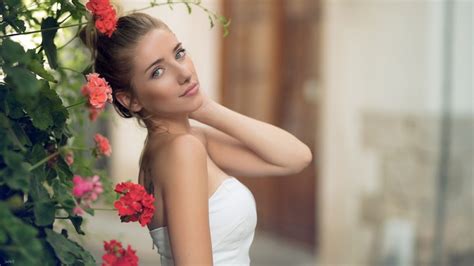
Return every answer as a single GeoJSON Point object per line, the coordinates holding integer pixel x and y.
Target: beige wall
{"type": "Point", "coordinates": [381, 95]}
{"type": "Point", "coordinates": [202, 43]}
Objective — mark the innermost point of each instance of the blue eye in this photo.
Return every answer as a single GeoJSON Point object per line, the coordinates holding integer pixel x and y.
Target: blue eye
{"type": "Point", "coordinates": [182, 50]}
{"type": "Point", "coordinates": [155, 71]}
{"type": "Point", "coordinates": [159, 68]}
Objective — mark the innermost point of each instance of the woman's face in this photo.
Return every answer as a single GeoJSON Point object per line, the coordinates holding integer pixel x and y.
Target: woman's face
{"type": "Point", "coordinates": [162, 72]}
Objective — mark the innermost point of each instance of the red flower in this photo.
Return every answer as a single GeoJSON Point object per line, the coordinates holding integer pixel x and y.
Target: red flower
{"type": "Point", "coordinates": [102, 145]}
{"type": "Point", "coordinates": [116, 255]}
{"type": "Point", "coordinates": [97, 90]}
{"type": "Point", "coordinates": [135, 204]}
{"type": "Point", "coordinates": [104, 14]}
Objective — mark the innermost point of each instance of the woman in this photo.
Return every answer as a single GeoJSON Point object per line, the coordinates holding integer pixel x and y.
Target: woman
{"type": "Point", "coordinates": [204, 215]}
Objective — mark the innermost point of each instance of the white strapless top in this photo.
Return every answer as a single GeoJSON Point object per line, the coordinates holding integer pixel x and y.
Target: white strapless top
{"type": "Point", "coordinates": [232, 222]}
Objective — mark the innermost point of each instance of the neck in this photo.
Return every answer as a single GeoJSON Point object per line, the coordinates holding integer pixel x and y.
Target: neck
{"type": "Point", "coordinates": [173, 125]}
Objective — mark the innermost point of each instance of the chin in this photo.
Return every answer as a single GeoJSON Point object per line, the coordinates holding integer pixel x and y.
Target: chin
{"type": "Point", "coordinates": [199, 101]}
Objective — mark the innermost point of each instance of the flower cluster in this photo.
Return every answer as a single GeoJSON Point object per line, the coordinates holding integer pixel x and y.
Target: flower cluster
{"type": "Point", "coordinates": [69, 158]}
{"type": "Point", "coordinates": [86, 190]}
{"type": "Point", "coordinates": [102, 145]}
{"type": "Point", "coordinates": [98, 92]}
{"type": "Point", "coordinates": [116, 255]}
{"type": "Point", "coordinates": [135, 204]}
{"type": "Point", "coordinates": [104, 14]}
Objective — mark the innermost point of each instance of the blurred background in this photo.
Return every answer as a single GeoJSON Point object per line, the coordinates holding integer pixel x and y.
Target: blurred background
{"type": "Point", "coordinates": [382, 93]}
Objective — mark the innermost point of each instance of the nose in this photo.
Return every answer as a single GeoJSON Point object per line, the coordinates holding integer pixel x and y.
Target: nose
{"type": "Point", "coordinates": [184, 73]}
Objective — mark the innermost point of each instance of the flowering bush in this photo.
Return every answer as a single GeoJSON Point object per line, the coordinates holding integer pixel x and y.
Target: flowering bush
{"type": "Point", "coordinates": [42, 182]}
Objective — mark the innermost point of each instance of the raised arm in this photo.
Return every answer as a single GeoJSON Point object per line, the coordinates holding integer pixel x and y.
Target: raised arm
{"type": "Point", "coordinates": [183, 174]}
{"type": "Point", "coordinates": [246, 146]}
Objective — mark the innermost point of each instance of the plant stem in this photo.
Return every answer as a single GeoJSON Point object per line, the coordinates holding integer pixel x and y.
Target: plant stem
{"type": "Point", "coordinates": [102, 209]}
{"type": "Point", "coordinates": [78, 148]}
{"type": "Point", "coordinates": [65, 19]}
{"type": "Point", "coordinates": [15, 139]}
{"type": "Point", "coordinates": [34, 31]}
{"type": "Point", "coordinates": [43, 160]}
{"type": "Point", "coordinates": [67, 68]}
{"type": "Point", "coordinates": [75, 104]}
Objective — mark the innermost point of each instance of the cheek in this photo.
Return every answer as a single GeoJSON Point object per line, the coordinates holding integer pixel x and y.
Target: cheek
{"type": "Point", "coordinates": [160, 93]}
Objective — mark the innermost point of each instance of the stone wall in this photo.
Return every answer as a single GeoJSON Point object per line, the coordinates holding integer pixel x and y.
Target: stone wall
{"type": "Point", "coordinates": [401, 212]}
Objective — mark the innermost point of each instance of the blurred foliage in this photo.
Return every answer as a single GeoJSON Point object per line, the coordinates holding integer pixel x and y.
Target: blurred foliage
{"type": "Point", "coordinates": [39, 86]}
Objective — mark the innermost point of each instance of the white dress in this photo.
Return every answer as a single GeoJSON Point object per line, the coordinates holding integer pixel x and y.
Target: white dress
{"type": "Point", "coordinates": [232, 222]}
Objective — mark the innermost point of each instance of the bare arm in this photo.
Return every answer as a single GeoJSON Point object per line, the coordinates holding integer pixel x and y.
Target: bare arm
{"type": "Point", "coordinates": [185, 192]}
{"type": "Point", "coordinates": [246, 146]}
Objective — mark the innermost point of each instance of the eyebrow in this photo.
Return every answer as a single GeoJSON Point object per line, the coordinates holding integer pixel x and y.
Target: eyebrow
{"type": "Point", "coordinates": [162, 59]}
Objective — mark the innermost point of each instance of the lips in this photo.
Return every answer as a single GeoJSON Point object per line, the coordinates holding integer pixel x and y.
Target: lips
{"type": "Point", "coordinates": [189, 88]}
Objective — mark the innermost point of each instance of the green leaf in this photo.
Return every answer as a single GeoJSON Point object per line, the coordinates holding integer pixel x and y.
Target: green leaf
{"type": "Point", "coordinates": [63, 170]}
{"type": "Point", "coordinates": [87, 70]}
{"type": "Point", "coordinates": [24, 80]}
{"type": "Point", "coordinates": [17, 171]}
{"type": "Point", "coordinates": [12, 52]}
{"type": "Point", "coordinates": [211, 21]}
{"type": "Point", "coordinates": [12, 107]}
{"type": "Point", "coordinates": [68, 251]}
{"type": "Point", "coordinates": [48, 40]}
{"type": "Point", "coordinates": [3, 237]}
{"type": "Point", "coordinates": [37, 190]}
{"type": "Point", "coordinates": [63, 194]}
{"type": "Point", "coordinates": [23, 244]}
{"type": "Point", "coordinates": [77, 222]}
{"type": "Point", "coordinates": [15, 23]}
{"type": "Point", "coordinates": [188, 7]}
{"type": "Point", "coordinates": [44, 213]}
{"type": "Point", "coordinates": [37, 153]}
{"type": "Point", "coordinates": [90, 211]}
{"type": "Point", "coordinates": [48, 110]}
{"type": "Point", "coordinates": [38, 68]}
{"type": "Point", "coordinates": [41, 117]}
{"type": "Point", "coordinates": [20, 134]}
{"type": "Point", "coordinates": [15, 202]}
{"type": "Point", "coordinates": [76, 9]}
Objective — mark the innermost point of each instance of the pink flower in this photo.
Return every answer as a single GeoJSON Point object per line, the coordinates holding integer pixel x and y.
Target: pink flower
{"type": "Point", "coordinates": [104, 14]}
{"type": "Point", "coordinates": [97, 90]}
{"type": "Point", "coordinates": [94, 113]}
{"type": "Point", "coordinates": [86, 190]}
{"type": "Point", "coordinates": [102, 145]}
{"type": "Point", "coordinates": [81, 186]}
{"type": "Point", "coordinates": [78, 210]}
{"type": "Point", "coordinates": [107, 23]}
{"type": "Point", "coordinates": [69, 158]}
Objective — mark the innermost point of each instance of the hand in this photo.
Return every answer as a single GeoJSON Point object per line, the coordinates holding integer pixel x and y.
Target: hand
{"type": "Point", "coordinates": [204, 108]}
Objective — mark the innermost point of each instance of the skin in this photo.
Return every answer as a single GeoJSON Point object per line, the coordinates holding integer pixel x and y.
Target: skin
{"type": "Point", "coordinates": [185, 165]}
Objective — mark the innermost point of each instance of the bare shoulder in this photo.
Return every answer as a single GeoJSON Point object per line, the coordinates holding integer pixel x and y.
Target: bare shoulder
{"type": "Point", "coordinates": [182, 151]}
{"type": "Point", "coordinates": [183, 171]}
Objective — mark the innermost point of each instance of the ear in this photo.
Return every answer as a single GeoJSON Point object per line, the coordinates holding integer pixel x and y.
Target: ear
{"type": "Point", "coordinates": [124, 98]}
